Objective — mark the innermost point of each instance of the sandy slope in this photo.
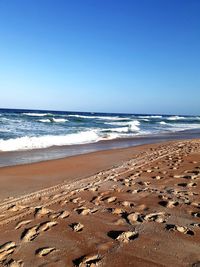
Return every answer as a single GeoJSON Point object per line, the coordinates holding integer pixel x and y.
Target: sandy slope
{"type": "Point", "coordinates": [143, 212]}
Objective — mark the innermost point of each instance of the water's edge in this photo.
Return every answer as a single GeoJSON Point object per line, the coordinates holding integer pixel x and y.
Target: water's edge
{"type": "Point", "coordinates": [38, 155]}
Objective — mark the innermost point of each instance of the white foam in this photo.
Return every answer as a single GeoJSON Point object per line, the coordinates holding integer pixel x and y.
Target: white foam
{"type": "Point", "coordinates": [174, 118]}
{"type": "Point", "coordinates": [133, 126]}
{"type": "Point", "coordinates": [151, 117]}
{"type": "Point", "coordinates": [37, 114]}
{"type": "Point", "coordinates": [182, 127]}
{"type": "Point", "coordinates": [162, 123]}
{"type": "Point", "coordinates": [124, 123]}
{"type": "Point", "coordinates": [53, 120]}
{"type": "Point", "coordinates": [98, 117]}
{"type": "Point", "coordinates": [4, 130]}
{"type": "Point", "coordinates": [28, 143]}
{"type": "Point", "coordinates": [118, 130]}
{"type": "Point", "coordinates": [144, 119]}
{"type": "Point", "coordinates": [117, 123]}
{"type": "Point", "coordinates": [59, 120]}
{"type": "Point", "coordinates": [45, 120]}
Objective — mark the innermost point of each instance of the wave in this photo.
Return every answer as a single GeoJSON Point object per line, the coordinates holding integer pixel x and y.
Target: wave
{"type": "Point", "coordinates": [98, 117]}
{"type": "Point", "coordinates": [162, 122]}
{"type": "Point", "coordinates": [53, 120]}
{"type": "Point", "coordinates": [37, 114]}
{"type": "Point", "coordinates": [150, 117]}
{"type": "Point", "coordinates": [90, 136]}
{"type": "Point", "coordinates": [174, 118]}
{"type": "Point", "coordinates": [4, 130]}
{"type": "Point", "coordinates": [29, 143]}
{"type": "Point", "coordinates": [183, 126]}
{"type": "Point", "coordinates": [144, 119]}
{"type": "Point", "coordinates": [131, 125]}
{"type": "Point", "coordinates": [118, 130]}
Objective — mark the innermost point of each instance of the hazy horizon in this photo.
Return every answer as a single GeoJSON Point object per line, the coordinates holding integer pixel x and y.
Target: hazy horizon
{"type": "Point", "coordinates": [100, 112]}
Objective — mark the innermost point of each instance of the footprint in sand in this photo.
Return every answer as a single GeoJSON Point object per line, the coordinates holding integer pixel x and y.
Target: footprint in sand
{"type": "Point", "coordinates": [87, 261]}
{"type": "Point", "coordinates": [181, 229]}
{"type": "Point", "coordinates": [31, 233]}
{"type": "Point", "coordinates": [157, 177]}
{"type": "Point", "coordinates": [135, 217]}
{"type": "Point", "coordinates": [195, 224]}
{"type": "Point", "coordinates": [13, 263]}
{"type": "Point", "coordinates": [168, 204]}
{"type": "Point", "coordinates": [94, 189]}
{"type": "Point", "coordinates": [77, 227]}
{"type": "Point", "coordinates": [41, 211]}
{"type": "Point", "coordinates": [59, 215]}
{"type": "Point", "coordinates": [123, 236]}
{"type": "Point", "coordinates": [22, 223]}
{"type": "Point", "coordinates": [16, 208]}
{"type": "Point", "coordinates": [117, 211]}
{"type": "Point", "coordinates": [83, 211]}
{"type": "Point", "coordinates": [187, 184]}
{"type": "Point", "coordinates": [77, 200]}
{"type": "Point", "coordinates": [127, 204]}
{"type": "Point", "coordinates": [159, 217]}
{"type": "Point", "coordinates": [111, 199]}
{"type": "Point", "coordinates": [42, 252]}
{"type": "Point", "coordinates": [43, 227]}
{"type": "Point", "coordinates": [6, 250]}
{"type": "Point", "coordinates": [196, 214]}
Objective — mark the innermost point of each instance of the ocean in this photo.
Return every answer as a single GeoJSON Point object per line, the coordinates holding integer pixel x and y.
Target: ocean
{"type": "Point", "coordinates": [28, 130]}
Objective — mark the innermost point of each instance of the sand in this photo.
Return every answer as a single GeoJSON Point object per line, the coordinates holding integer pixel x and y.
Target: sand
{"type": "Point", "coordinates": [125, 207]}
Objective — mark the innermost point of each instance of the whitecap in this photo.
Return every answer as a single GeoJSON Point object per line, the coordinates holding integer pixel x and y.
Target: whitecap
{"type": "Point", "coordinates": [144, 119]}
{"type": "Point", "coordinates": [174, 118]}
{"type": "Point", "coordinates": [4, 130]}
{"type": "Point", "coordinates": [29, 143]}
{"type": "Point", "coordinates": [98, 117]}
{"type": "Point", "coordinates": [150, 117]}
{"type": "Point", "coordinates": [37, 114]}
{"type": "Point", "coordinates": [119, 130]}
{"type": "Point", "coordinates": [183, 126]}
{"type": "Point", "coordinates": [53, 120]}
{"type": "Point", "coordinates": [45, 120]}
{"type": "Point", "coordinates": [124, 123]}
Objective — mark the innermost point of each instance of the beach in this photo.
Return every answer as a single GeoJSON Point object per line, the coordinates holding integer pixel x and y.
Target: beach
{"type": "Point", "coordinates": [136, 206]}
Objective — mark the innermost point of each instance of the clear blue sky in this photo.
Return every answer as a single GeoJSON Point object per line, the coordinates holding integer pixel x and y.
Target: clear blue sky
{"type": "Point", "coordinates": [135, 56]}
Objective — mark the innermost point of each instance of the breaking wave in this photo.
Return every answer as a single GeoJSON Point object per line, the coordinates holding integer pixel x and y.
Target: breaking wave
{"type": "Point", "coordinates": [131, 125]}
{"type": "Point", "coordinates": [28, 143]}
{"type": "Point", "coordinates": [37, 114]}
{"type": "Point", "coordinates": [150, 117]}
{"type": "Point", "coordinates": [98, 117]}
{"type": "Point", "coordinates": [175, 118]}
{"type": "Point", "coordinates": [53, 120]}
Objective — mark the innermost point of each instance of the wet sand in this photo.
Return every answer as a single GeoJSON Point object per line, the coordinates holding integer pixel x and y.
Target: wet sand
{"type": "Point", "coordinates": [126, 207]}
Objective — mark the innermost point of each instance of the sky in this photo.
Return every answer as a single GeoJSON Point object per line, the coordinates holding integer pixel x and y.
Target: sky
{"type": "Point", "coordinates": [128, 56]}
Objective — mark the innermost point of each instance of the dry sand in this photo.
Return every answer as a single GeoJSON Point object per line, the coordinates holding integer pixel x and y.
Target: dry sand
{"type": "Point", "coordinates": [83, 211]}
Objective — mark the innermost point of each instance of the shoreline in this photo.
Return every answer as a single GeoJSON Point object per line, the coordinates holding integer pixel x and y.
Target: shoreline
{"type": "Point", "coordinates": [26, 178]}
{"type": "Point", "coordinates": [114, 208]}
{"type": "Point", "coordinates": [14, 158]}
{"type": "Point", "coordinates": [29, 177]}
